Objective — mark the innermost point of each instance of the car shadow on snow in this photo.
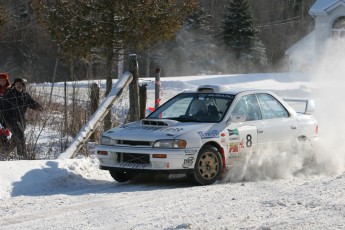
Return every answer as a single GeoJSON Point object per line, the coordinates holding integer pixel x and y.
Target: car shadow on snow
{"type": "Point", "coordinates": [52, 180]}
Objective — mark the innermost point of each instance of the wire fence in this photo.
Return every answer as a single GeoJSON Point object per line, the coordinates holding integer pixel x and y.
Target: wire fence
{"type": "Point", "coordinates": [65, 111]}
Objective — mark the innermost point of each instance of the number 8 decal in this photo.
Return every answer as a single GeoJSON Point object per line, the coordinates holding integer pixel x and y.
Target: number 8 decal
{"type": "Point", "coordinates": [249, 141]}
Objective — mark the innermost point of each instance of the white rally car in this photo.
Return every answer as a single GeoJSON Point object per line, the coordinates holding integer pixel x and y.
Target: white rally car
{"type": "Point", "coordinates": [205, 132]}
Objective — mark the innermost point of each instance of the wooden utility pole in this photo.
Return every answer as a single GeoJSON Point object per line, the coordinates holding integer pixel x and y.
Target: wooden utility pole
{"type": "Point", "coordinates": [134, 112]}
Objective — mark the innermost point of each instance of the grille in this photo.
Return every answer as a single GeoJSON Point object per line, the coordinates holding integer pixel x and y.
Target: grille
{"type": "Point", "coordinates": [134, 158]}
{"type": "Point", "coordinates": [126, 142]}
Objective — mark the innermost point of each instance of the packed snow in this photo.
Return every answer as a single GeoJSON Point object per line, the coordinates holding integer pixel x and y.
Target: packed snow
{"type": "Point", "coordinates": [75, 194]}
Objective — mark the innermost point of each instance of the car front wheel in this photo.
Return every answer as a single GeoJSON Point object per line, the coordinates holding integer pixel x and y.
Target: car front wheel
{"type": "Point", "coordinates": [120, 176]}
{"type": "Point", "coordinates": [208, 166]}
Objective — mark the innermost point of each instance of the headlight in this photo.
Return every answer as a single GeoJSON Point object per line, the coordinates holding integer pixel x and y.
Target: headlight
{"type": "Point", "coordinates": [170, 144]}
{"type": "Point", "coordinates": [106, 140]}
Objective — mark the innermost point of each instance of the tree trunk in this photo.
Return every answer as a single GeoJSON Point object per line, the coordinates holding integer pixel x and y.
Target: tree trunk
{"type": "Point", "coordinates": [109, 83]}
{"type": "Point", "coordinates": [94, 101]}
{"type": "Point", "coordinates": [147, 63]}
{"type": "Point", "coordinates": [134, 112]}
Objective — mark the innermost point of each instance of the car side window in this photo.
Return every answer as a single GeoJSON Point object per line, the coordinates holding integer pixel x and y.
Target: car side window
{"type": "Point", "coordinates": [271, 107]}
{"type": "Point", "coordinates": [249, 107]}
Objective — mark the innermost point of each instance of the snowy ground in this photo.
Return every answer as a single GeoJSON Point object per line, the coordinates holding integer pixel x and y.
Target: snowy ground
{"type": "Point", "coordinates": [74, 194]}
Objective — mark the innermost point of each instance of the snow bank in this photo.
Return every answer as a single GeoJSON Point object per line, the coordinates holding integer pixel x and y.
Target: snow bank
{"type": "Point", "coordinates": [42, 177]}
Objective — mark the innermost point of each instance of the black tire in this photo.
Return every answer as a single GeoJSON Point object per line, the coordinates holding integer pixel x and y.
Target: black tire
{"type": "Point", "coordinates": [120, 176]}
{"type": "Point", "coordinates": [208, 166]}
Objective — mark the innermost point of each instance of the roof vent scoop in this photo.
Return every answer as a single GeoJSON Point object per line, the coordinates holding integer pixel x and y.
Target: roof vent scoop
{"type": "Point", "coordinates": [212, 88]}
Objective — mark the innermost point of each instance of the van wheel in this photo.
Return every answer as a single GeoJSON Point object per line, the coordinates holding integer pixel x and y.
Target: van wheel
{"type": "Point", "coordinates": [208, 166]}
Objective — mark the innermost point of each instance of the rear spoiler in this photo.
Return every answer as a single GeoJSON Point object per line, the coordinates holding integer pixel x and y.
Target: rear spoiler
{"type": "Point", "coordinates": [306, 106]}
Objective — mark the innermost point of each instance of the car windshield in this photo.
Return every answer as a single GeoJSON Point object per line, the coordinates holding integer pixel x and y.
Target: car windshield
{"type": "Point", "coordinates": [194, 107]}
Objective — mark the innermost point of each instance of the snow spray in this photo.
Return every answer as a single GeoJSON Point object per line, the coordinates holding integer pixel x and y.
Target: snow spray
{"type": "Point", "coordinates": [328, 82]}
{"type": "Point", "coordinates": [329, 95]}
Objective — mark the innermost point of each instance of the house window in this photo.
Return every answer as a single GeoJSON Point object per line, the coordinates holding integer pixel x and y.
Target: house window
{"type": "Point", "coordinates": [338, 28]}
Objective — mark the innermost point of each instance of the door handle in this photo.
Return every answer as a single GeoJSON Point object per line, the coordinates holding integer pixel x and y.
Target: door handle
{"type": "Point", "coordinates": [260, 130]}
{"type": "Point", "coordinates": [293, 127]}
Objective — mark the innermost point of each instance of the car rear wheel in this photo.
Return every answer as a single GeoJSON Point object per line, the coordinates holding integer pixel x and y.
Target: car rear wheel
{"type": "Point", "coordinates": [208, 166]}
{"type": "Point", "coordinates": [120, 176]}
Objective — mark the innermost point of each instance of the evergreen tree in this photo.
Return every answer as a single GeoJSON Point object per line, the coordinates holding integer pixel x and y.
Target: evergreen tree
{"type": "Point", "coordinates": [238, 29]}
{"type": "Point", "coordinates": [238, 33]}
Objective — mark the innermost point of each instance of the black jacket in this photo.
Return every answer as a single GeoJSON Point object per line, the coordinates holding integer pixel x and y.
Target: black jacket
{"type": "Point", "coordinates": [16, 103]}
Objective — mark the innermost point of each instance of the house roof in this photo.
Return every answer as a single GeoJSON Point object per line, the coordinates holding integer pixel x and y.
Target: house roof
{"type": "Point", "coordinates": [324, 6]}
{"type": "Point", "coordinates": [306, 45]}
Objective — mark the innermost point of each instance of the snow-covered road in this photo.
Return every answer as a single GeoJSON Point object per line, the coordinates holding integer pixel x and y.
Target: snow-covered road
{"type": "Point", "coordinates": [313, 202]}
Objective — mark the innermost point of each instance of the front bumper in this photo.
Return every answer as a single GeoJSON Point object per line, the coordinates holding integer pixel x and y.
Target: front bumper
{"type": "Point", "coordinates": [148, 171]}
{"type": "Point", "coordinates": [141, 159]}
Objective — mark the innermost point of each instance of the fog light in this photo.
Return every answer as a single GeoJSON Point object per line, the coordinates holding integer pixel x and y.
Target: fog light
{"type": "Point", "coordinates": [159, 156]}
{"type": "Point", "coordinates": [102, 152]}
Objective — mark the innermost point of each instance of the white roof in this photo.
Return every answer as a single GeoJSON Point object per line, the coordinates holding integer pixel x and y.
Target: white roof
{"type": "Point", "coordinates": [305, 46]}
{"type": "Point", "coordinates": [324, 6]}
{"type": "Point", "coordinates": [227, 90]}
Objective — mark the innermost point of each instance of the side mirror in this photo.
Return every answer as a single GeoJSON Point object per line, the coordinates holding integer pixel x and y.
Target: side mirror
{"type": "Point", "coordinates": [310, 107]}
{"type": "Point", "coordinates": [236, 118]}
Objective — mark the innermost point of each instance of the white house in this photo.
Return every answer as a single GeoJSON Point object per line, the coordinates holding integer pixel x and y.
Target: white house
{"type": "Point", "coordinates": [329, 18]}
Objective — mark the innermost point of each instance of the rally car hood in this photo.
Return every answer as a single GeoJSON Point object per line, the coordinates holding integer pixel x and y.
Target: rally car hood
{"type": "Point", "coordinates": [153, 129]}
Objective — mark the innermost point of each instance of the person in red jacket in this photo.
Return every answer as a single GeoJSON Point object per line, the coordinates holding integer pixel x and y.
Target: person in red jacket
{"type": "Point", "coordinates": [4, 86]}
{"type": "Point", "coordinates": [4, 83]}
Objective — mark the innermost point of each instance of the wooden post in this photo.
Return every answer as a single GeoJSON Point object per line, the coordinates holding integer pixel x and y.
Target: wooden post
{"type": "Point", "coordinates": [94, 101]}
{"type": "Point", "coordinates": [133, 89]}
{"type": "Point", "coordinates": [142, 100]}
{"type": "Point", "coordinates": [157, 87]}
{"type": "Point", "coordinates": [65, 127]}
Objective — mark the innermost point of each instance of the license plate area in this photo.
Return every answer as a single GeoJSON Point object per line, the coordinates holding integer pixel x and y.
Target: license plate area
{"type": "Point", "coordinates": [133, 158]}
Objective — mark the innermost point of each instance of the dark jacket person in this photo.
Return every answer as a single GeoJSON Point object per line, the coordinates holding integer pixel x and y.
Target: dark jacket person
{"type": "Point", "coordinates": [16, 102]}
